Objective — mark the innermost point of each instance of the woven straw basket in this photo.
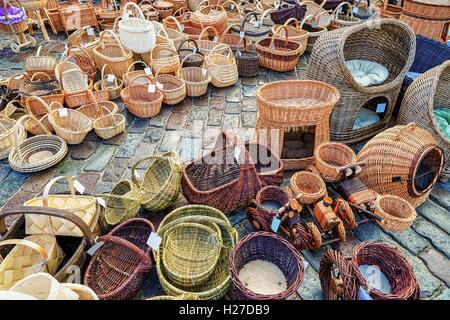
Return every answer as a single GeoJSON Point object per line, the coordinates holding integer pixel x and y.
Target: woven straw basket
{"type": "Point", "coordinates": [81, 206]}
{"type": "Point", "coordinates": [38, 63]}
{"type": "Point", "coordinates": [173, 87]}
{"type": "Point", "coordinates": [7, 135]}
{"type": "Point", "coordinates": [397, 213]}
{"type": "Point", "coordinates": [309, 185]}
{"type": "Point", "coordinates": [73, 128]}
{"type": "Point", "coordinates": [222, 68]}
{"type": "Point", "coordinates": [127, 77]}
{"type": "Point", "coordinates": [330, 156]}
{"type": "Point", "coordinates": [113, 87]}
{"type": "Point", "coordinates": [195, 78]}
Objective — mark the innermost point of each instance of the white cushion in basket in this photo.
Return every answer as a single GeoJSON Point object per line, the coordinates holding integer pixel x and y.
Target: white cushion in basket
{"type": "Point", "coordinates": [367, 73]}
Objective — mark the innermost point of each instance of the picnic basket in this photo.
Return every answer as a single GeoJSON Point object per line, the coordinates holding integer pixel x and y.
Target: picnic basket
{"type": "Point", "coordinates": [38, 63]}
{"type": "Point", "coordinates": [160, 186]}
{"type": "Point", "coordinates": [7, 135]}
{"type": "Point", "coordinates": [72, 127]}
{"type": "Point", "coordinates": [173, 86]}
{"type": "Point", "coordinates": [221, 67]}
{"type": "Point", "coordinates": [195, 78]}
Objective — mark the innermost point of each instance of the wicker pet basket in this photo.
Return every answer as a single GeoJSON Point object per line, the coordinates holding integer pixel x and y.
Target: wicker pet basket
{"type": "Point", "coordinates": [160, 186]}
{"type": "Point", "coordinates": [329, 157]}
{"type": "Point", "coordinates": [117, 270]}
{"type": "Point", "coordinates": [7, 135]}
{"type": "Point", "coordinates": [427, 92]}
{"type": "Point", "coordinates": [122, 203]}
{"type": "Point", "coordinates": [222, 68]}
{"type": "Point", "coordinates": [191, 252]}
{"type": "Point", "coordinates": [139, 101]}
{"type": "Point", "coordinates": [276, 54]}
{"type": "Point", "coordinates": [397, 214]}
{"type": "Point", "coordinates": [219, 282]}
{"type": "Point", "coordinates": [32, 254]}
{"type": "Point", "coordinates": [36, 153]}
{"type": "Point", "coordinates": [72, 127]}
{"type": "Point", "coordinates": [268, 247]}
{"type": "Point", "coordinates": [247, 61]}
{"type": "Point", "coordinates": [173, 87]}
{"type": "Point", "coordinates": [411, 161]}
{"type": "Point", "coordinates": [113, 87]}
{"type": "Point", "coordinates": [127, 77]}
{"type": "Point", "coordinates": [309, 185]}
{"type": "Point", "coordinates": [212, 15]}
{"type": "Point", "coordinates": [207, 180]}
{"type": "Point", "coordinates": [164, 59]}
{"type": "Point", "coordinates": [195, 78]}
{"type": "Point", "coordinates": [113, 54]}
{"type": "Point", "coordinates": [38, 63]}
{"type": "Point", "coordinates": [296, 34]}
{"type": "Point", "coordinates": [392, 264]}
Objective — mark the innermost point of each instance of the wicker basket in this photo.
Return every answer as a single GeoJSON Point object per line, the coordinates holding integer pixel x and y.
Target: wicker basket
{"type": "Point", "coordinates": [205, 45]}
{"type": "Point", "coordinates": [85, 207]}
{"type": "Point", "coordinates": [122, 203]}
{"type": "Point", "coordinates": [196, 79]}
{"type": "Point", "coordinates": [309, 185]}
{"type": "Point", "coordinates": [183, 53]}
{"type": "Point", "coordinates": [164, 59]}
{"type": "Point", "coordinates": [173, 87]}
{"type": "Point", "coordinates": [81, 38]}
{"type": "Point", "coordinates": [191, 252]}
{"type": "Point", "coordinates": [127, 77]}
{"type": "Point", "coordinates": [31, 125]}
{"type": "Point", "coordinates": [314, 33]}
{"type": "Point", "coordinates": [247, 61]}
{"type": "Point", "coordinates": [255, 30]}
{"type": "Point", "coordinates": [38, 63]}
{"type": "Point", "coordinates": [139, 101]}
{"type": "Point", "coordinates": [222, 68]}
{"type": "Point", "coordinates": [117, 270]}
{"type": "Point", "coordinates": [164, 8]}
{"type": "Point", "coordinates": [411, 160]}
{"type": "Point", "coordinates": [271, 248]}
{"type": "Point", "coordinates": [219, 282]}
{"type": "Point", "coordinates": [342, 20]}
{"type": "Point", "coordinates": [72, 127]}
{"type": "Point", "coordinates": [161, 185]}
{"type": "Point", "coordinates": [36, 153]}
{"type": "Point", "coordinates": [110, 125]}
{"type": "Point", "coordinates": [150, 14]}
{"type": "Point", "coordinates": [189, 29]}
{"type": "Point", "coordinates": [82, 59]}
{"type": "Point", "coordinates": [278, 55]}
{"type": "Point", "coordinates": [175, 34]}
{"type": "Point", "coordinates": [329, 157]}
{"type": "Point", "coordinates": [95, 109]}
{"type": "Point", "coordinates": [113, 87]}
{"type": "Point", "coordinates": [214, 16]}
{"type": "Point", "coordinates": [427, 18]}
{"type": "Point", "coordinates": [83, 292]}
{"type": "Point", "coordinates": [296, 34]}
{"type": "Point", "coordinates": [208, 181]}
{"type": "Point", "coordinates": [425, 94]}
{"type": "Point", "coordinates": [113, 54]}
{"type": "Point", "coordinates": [233, 40]}
{"type": "Point", "coordinates": [7, 135]}
{"type": "Point", "coordinates": [396, 213]}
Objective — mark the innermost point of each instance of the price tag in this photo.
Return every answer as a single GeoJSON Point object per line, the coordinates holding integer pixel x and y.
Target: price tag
{"type": "Point", "coordinates": [154, 241]}
{"type": "Point", "coordinates": [275, 224]}
{"type": "Point", "coordinates": [78, 186]}
{"type": "Point", "coordinates": [63, 112]}
{"type": "Point", "coordinates": [241, 34]}
{"type": "Point", "coordinates": [148, 71]}
{"type": "Point", "coordinates": [73, 60]}
{"type": "Point", "coordinates": [185, 17]}
{"type": "Point", "coordinates": [448, 43]}
{"type": "Point", "coordinates": [381, 107]}
{"type": "Point", "coordinates": [182, 27]}
{"type": "Point", "coordinates": [126, 15]}
{"type": "Point", "coordinates": [194, 50]}
{"type": "Point", "coordinates": [340, 10]}
{"type": "Point", "coordinates": [110, 7]}
{"type": "Point", "coordinates": [215, 39]}
{"type": "Point", "coordinates": [101, 201]}
{"type": "Point", "coordinates": [110, 78]}
{"type": "Point", "coordinates": [355, 9]}
{"type": "Point", "coordinates": [273, 47]}
{"type": "Point", "coordinates": [203, 71]}
{"type": "Point", "coordinates": [94, 248]}
{"type": "Point", "coordinates": [256, 24]}
{"type": "Point", "coordinates": [89, 31]}
{"type": "Point", "coordinates": [332, 17]}
{"type": "Point", "coordinates": [86, 78]}
{"type": "Point", "coordinates": [239, 54]}
{"type": "Point", "coordinates": [313, 24]}
{"type": "Point", "coordinates": [232, 6]}
{"type": "Point", "coordinates": [237, 153]}
{"type": "Point", "coordinates": [159, 86]}
{"type": "Point", "coordinates": [151, 88]}
{"type": "Point", "coordinates": [277, 5]}
{"type": "Point", "coordinates": [305, 265]}
{"type": "Point", "coordinates": [137, 175]}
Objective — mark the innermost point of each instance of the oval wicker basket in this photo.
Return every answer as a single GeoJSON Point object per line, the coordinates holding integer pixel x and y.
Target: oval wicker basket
{"type": "Point", "coordinates": [73, 127]}
{"type": "Point", "coordinates": [110, 125]}
{"type": "Point", "coordinates": [127, 77]}
{"type": "Point", "coordinates": [396, 213]}
{"type": "Point", "coordinates": [165, 58]}
{"type": "Point", "coordinates": [31, 125]}
{"type": "Point", "coordinates": [309, 185]}
{"type": "Point", "coordinates": [195, 78]}
{"type": "Point", "coordinates": [222, 68]}
{"type": "Point", "coordinates": [139, 101]}
{"type": "Point", "coordinates": [95, 109]}
{"type": "Point", "coordinates": [247, 61]}
{"type": "Point", "coordinates": [212, 15]}
{"type": "Point", "coordinates": [7, 135]}
{"type": "Point", "coordinates": [329, 156]}
{"type": "Point", "coordinates": [296, 34]}
{"type": "Point", "coordinates": [183, 53]}
{"type": "Point", "coordinates": [113, 87]}
{"type": "Point", "coordinates": [173, 87]}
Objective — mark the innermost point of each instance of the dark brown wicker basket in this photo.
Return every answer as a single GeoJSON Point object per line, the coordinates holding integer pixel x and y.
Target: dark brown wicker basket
{"type": "Point", "coordinates": [247, 61]}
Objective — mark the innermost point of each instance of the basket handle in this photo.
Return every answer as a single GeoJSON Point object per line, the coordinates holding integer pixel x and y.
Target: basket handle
{"type": "Point", "coordinates": [409, 127]}
{"type": "Point", "coordinates": [313, 18]}
{"type": "Point", "coordinates": [47, 211]}
{"type": "Point", "coordinates": [180, 12]}
{"type": "Point", "coordinates": [236, 7]}
{"type": "Point", "coordinates": [29, 244]}
{"type": "Point", "coordinates": [61, 70]}
{"type": "Point", "coordinates": [51, 183]}
{"type": "Point", "coordinates": [39, 73]}
{"type": "Point", "coordinates": [225, 46]}
{"type": "Point", "coordinates": [138, 10]}
{"type": "Point", "coordinates": [140, 76]}
{"type": "Point", "coordinates": [297, 24]}
{"type": "Point", "coordinates": [222, 37]}
{"type": "Point", "coordinates": [245, 44]}
{"type": "Point", "coordinates": [349, 11]}
{"type": "Point", "coordinates": [159, 27]}
{"type": "Point", "coordinates": [134, 63]}
{"type": "Point", "coordinates": [187, 41]}
{"type": "Point", "coordinates": [102, 35]}
{"type": "Point", "coordinates": [103, 75]}
{"type": "Point", "coordinates": [202, 34]}
{"type": "Point", "coordinates": [146, 261]}
{"type": "Point", "coordinates": [27, 104]}
{"type": "Point", "coordinates": [193, 54]}
{"type": "Point", "coordinates": [169, 155]}
{"type": "Point", "coordinates": [160, 47]}
{"type": "Point", "coordinates": [286, 38]}
{"type": "Point", "coordinates": [38, 53]}
{"type": "Point", "coordinates": [264, 15]}
{"type": "Point", "coordinates": [172, 19]}
{"type": "Point", "coordinates": [22, 75]}
{"type": "Point", "coordinates": [251, 13]}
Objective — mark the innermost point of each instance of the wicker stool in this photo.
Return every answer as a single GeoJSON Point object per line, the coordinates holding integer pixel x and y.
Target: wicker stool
{"type": "Point", "coordinates": [390, 43]}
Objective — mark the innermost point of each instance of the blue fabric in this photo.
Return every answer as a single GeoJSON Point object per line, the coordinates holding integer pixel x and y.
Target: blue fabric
{"type": "Point", "coordinates": [365, 118]}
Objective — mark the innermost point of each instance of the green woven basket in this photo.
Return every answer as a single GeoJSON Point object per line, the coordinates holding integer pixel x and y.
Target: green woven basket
{"type": "Point", "coordinates": [161, 185]}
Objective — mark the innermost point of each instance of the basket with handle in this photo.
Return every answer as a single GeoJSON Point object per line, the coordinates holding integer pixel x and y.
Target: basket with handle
{"type": "Point", "coordinates": [121, 203]}
{"type": "Point", "coordinates": [35, 253]}
{"type": "Point", "coordinates": [165, 59]}
{"type": "Point", "coordinates": [38, 63]}
{"type": "Point", "coordinates": [118, 268]}
{"type": "Point", "coordinates": [178, 15]}
{"type": "Point", "coordinates": [160, 41]}
{"type": "Point", "coordinates": [233, 40]}
{"type": "Point", "coordinates": [342, 20]}
{"type": "Point", "coordinates": [277, 54]}
{"type": "Point", "coordinates": [188, 28]}
{"type": "Point", "coordinates": [95, 109]}
{"type": "Point", "coordinates": [113, 87]}
{"type": "Point", "coordinates": [247, 61]}
{"type": "Point", "coordinates": [72, 127]}
{"type": "Point", "coordinates": [164, 8]}
{"type": "Point", "coordinates": [7, 135]}
{"type": "Point", "coordinates": [173, 86]}
{"type": "Point", "coordinates": [127, 77]}
{"type": "Point", "coordinates": [296, 34]}
{"type": "Point", "coordinates": [233, 11]}
{"type": "Point", "coordinates": [150, 13]}
{"type": "Point", "coordinates": [110, 125]}
{"type": "Point", "coordinates": [195, 78]}
{"type": "Point", "coordinates": [176, 34]}
{"type": "Point", "coordinates": [15, 21]}
{"type": "Point", "coordinates": [160, 186]}
{"type": "Point", "coordinates": [315, 31]}
{"type": "Point", "coordinates": [329, 156]}
{"type": "Point", "coordinates": [113, 54]}
{"type": "Point", "coordinates": [82, 60]}
{"type": "Point", "coordinates": [31, 125]}
{"type": "Point", "coordinates": [139, 101]}
{"type": "Point", "coordinates": [38, 152]}
{"type": "Point", "coordinates": [48, 90]}
{"type": "Point", "coordinates": [213, 15]}
{"type": "Point", "coordinates": [179, 4]}
{"type": "Point", "coordinates": [83, 206]}
{"type": "Point", "coordinates": [136, 34]}
{"type": "Point", "coordinates": [221, 67]}
{"type": "Point", "coordinates": [84, 39]}
{"type": "Point", "coordinates": [184, 52]}
{"type": "Point", "coordinates": [109, 12]}
{"type": "Point", "coordinates": [254, 28]}
{"type": "Point", "coordinates": [318, 11]}
{"type": "Point", "coordinates": [396, 213]}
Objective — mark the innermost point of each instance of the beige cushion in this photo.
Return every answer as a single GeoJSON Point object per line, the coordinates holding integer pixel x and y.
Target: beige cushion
{"type": "Point", "coordinates": [367, 73]}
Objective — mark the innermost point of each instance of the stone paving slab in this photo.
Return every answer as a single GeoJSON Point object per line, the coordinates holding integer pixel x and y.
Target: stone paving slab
{"type": "Point", "coordinates": [191, 128]}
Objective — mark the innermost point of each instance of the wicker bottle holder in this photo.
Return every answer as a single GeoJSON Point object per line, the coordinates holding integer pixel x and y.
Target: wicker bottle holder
{"type": "Point", "coordinates": [36, 153]}
{"type": "Point", "coordinates": [222, 68]}
{"type": "Point", "coordinates": [122, 203]}
{"type": "Point", "coordinates": [195, 78]}
{"type": "Point", "coordinates": [309, 185]}
{"type": "Point", "coordinates": [411, 160]}
{"type": "Point", "coordinates": [247, 61]}
{"type": "Point", "coordinates": [7, 135]}
{"type": "Point", "coordinates": [196, 60]}
{"type": "Point", "coordinates": [164, 59]}
{"type": "Point", "coordinates": [329, 157]}
{"type": "Point", "coordinates": [397, 214]}
{"type": "Point", "coordinates": [161, 185]}
{"type": "Point", "coordinates": [173, 87]}
{"type": "Point", "coordinates": [117, 270]}
{"type": "Point", "coordinates": [113, 87]}
{"type": "Point", "coordinates": [72, 127]}
{"type": "Point", "coordinates": [139, 101]}
{"type": "Point", "coordinates": [219, 282]}
{"type": "Point", "coordinates": [208, 181]}
{"type": "Point", "coordinates": [127, 77]}
{"type": "Point", "coordinates": [296, 34]}
{"type": "Point", "coordinates": [38, 63]}
{"type": "Point", "coordinates": [272, 248]}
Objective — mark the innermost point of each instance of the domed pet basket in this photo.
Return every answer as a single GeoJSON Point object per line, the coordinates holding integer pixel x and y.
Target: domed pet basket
{"type": "Point", "coordinates": [404, 161]}
{"type": "Point", "coordinates": [390, 43]}
{"type": "Point", "coordinates": [252, 265]}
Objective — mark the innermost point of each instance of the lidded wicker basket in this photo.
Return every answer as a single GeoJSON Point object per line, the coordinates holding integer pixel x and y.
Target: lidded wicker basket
{"type": "Point", "coordinates": [404, 161]}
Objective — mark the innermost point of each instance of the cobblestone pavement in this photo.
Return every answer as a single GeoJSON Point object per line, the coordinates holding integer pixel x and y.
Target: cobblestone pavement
{"type": "Point", "coordinates": [191, 128]}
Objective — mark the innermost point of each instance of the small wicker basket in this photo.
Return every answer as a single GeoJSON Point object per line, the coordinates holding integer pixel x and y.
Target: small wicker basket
{"type": "Point", "coordinates": [72, 127]}
{"type": "Point", "coordinates": [139, 101]}
{"type": "Point", "coordinates": [396, 213]}
{"type": "Point", "coordinates": [195, 78]}
{"type": "Point", "coordinates": [309, 185]}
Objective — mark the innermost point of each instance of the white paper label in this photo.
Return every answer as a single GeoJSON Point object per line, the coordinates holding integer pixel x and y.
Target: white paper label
{"type": "Point", "coordinates": [194, 50]}
{"type": "Point", "coordinates": [313, 24]}
{"type": "Point", "coordinates": [126, 15]}
{"type": "Point", "coordinates": [159, 86]}
{"type": "Point", "coordinates": [101, 201]}
{"type": "Point", "coordinates": [110, 78]}
{"type": "Point", "coordinates": [185, 17]}
{"type": "Point", "coordinates": [154, 241]}
{"type": "Point", "coordinates": [89, 31]}
{"type": "Point", "coordinates": [203, 71]}
{"type": "Point", "coordinates": [215, 39]}
{"type": "Point", "coordinates": [182, 27]}
{"type": "Point", "coordinates": [137, 175]}
{"type": "Point", "coordinates": [110, 7]}
{"type": "Point", "coordinates": [232, 6]}
{"type": "Point", "coordinates": [241, 34]}
{"type": "Point", "coordinates": [305, 265]}
{"type": "Point", "coordinates": [256, 24]}
{"type": "Point", "coordinates": [94, 248]}
{"type": "Point", "coordinates": [275, 224]}
{"type": "Point", "coordinates": [340, 10]}
{"type": "Point", "coordinates": [78, 186]}
{"type": "Point", "coordinates": [148, 71]}
{"type": "Point", "coordinates": [62, 112]}
{"type": "Point", "coordinates": [151, 88]}
{"type": "Point", "coordinates": [355, 9]}
{"type": "Point", "coordinates": [237, 153]}
{"type": "Point", "coordinates": [332, 17]}
{"type": "Point", "coordinates": [277, 5]}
